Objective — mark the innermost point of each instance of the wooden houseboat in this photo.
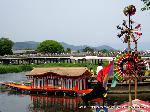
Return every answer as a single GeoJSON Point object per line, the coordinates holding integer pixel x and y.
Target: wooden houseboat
{"type": "Point", "coordinates": [60, 80]}
{"type": "Point", "coordinates": [67, 78]}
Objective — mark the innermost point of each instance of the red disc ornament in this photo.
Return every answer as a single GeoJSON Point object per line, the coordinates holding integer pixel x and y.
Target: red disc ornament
{"type": "Point", "coordinates": [126, 64]}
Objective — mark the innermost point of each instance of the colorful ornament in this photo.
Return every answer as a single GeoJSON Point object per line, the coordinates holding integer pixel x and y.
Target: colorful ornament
{"type": "Point", "coordinates": [129, 10]}
{"type": "Point", "coordinates": [126, 63]}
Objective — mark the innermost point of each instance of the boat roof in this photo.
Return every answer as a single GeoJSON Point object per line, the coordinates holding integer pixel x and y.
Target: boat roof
{"type": "Point", "coordinates": [61, 71]}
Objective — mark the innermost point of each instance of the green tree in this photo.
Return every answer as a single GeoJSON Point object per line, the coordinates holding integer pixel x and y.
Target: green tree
{"type": "Point", "coordinates": [146, 5]}
{"type": "Point", "coordinates": [5, 46]}
{"type": "Point", "coordinates": [50, 46]}
{"type": "Point", "coordinates": [68, 50]}
{"type": "Point", "coordinates": [88, 49]}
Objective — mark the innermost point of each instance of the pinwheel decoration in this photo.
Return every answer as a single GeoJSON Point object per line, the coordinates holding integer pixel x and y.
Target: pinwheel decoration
{"type": "Point", "coordinates": [135, 31]}
{"type": "Point", "coordinates": [131, 31]}
{"type": "Point", "coordinates": [126, 64]}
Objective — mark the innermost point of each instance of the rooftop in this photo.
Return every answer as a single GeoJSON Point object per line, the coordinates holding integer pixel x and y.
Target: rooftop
{"type": "Point", "coordinates": [61, 71]}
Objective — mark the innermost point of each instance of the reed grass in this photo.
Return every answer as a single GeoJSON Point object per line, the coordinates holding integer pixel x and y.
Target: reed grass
{"type": "Point", "coordinates": [14, 68]}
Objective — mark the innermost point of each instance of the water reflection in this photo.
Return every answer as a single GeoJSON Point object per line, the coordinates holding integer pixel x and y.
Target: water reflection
{"type": "Point", "coordinates": [54, 104]}
{"type": "Point", "coordinates": [73, 104]}
{"type": "Point", "coordinates": [11, 101]}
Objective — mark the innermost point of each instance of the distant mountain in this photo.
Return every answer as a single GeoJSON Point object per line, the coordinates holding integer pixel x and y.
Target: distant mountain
{"type": "Point", "coordinates": [104, 47]}
{"type": "Point", "coordinates": [73, 47]}
{"type": "Point", "coordinates": [33, 45]}
{"type": "Point", "coordinates": [25, 45]}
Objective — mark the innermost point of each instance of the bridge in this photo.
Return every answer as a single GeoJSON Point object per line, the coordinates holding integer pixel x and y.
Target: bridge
{"type": "Point", "coordinates": [53, 59]}
{"type": "Point", "coordinates": [38, 59]}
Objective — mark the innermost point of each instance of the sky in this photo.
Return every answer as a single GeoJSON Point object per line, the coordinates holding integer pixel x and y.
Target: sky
{"type": "Point", "coordinates": [76, 22]}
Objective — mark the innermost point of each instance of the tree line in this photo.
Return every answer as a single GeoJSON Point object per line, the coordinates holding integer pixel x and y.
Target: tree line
{"type": "Point", "coordinates": [45, 47]}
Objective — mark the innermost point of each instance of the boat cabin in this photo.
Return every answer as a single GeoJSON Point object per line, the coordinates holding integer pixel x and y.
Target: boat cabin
{"type": "Point", "coordinates": [65, 78]}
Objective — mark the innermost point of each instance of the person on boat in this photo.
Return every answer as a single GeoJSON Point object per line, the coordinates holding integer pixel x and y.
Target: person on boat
{"type": "Point", "coordinates": [99, 67]}
{"type": "Point", "coordinates": [92, 72]}
{"type": "Point", "coordinates": [93, 75]}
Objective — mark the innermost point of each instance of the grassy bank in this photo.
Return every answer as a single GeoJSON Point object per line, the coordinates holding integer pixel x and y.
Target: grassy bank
{"type": "Point", "coordinates": [21, 68]}
{"type": "Point", "coordinates": [14, 68]}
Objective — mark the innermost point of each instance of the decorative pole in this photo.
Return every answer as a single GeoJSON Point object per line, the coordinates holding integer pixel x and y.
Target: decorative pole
{"type": "Point", "coordinates": [129, 50]}
{"type": "Point", "coordinates": [129, 11]}
{"type": "Point", "coordinates": [127, 63]}
{"type": "Point", "coordinates": [136, 78]}
{"type": "Point", "coordinates": [126, 67]}
{"type": "Point", "coordinates": [136, 53]}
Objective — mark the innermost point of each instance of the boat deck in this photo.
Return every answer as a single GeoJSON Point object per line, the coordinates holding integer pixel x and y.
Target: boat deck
{"type": "Point", "coordinates": [47, 88]}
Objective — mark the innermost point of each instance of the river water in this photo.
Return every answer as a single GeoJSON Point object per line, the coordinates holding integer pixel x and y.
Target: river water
{"type": "Point", "coordinates": [11, 101]}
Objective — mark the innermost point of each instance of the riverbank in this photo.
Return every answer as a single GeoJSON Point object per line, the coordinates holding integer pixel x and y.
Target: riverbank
{"type": "Point", "coordinates": [14, 68]}
{"type": "Point", "coordinates": [21, 68]}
